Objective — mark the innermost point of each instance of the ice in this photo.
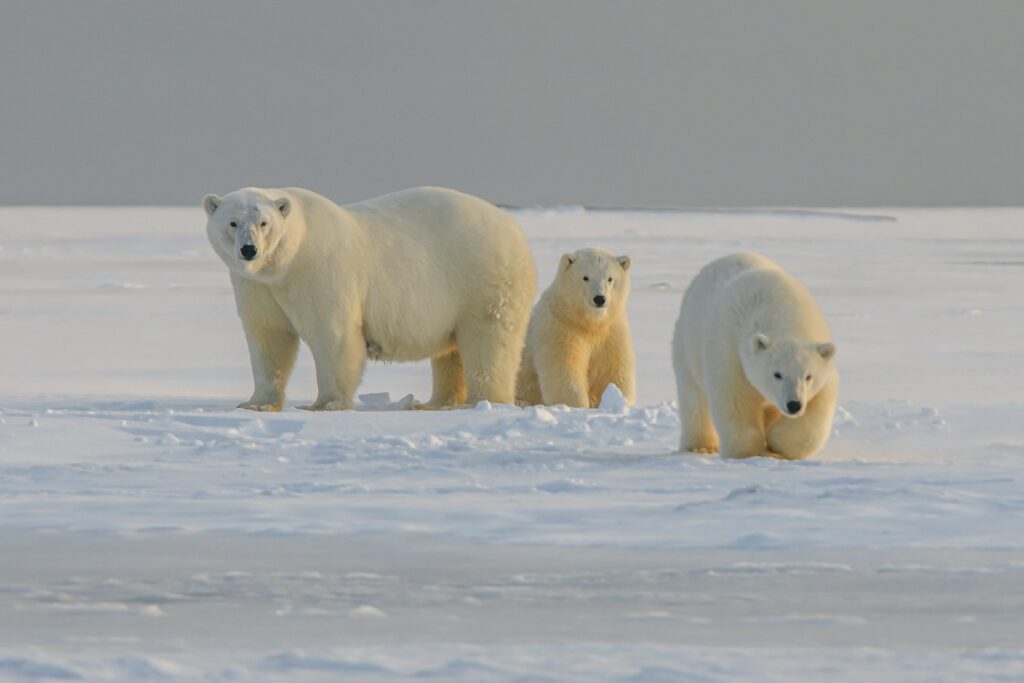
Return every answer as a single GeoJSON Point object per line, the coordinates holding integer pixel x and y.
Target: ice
{"type": "Point", "coordinates": [612, 400]}
{"type": "Point", "coordinates": [378, 400]}
{"type": "Point", "coordinates": [152, 531]}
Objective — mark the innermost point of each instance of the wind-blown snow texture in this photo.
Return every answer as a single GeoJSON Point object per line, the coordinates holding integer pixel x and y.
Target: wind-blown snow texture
{"type": "Point", "coordinates": [150, 531]}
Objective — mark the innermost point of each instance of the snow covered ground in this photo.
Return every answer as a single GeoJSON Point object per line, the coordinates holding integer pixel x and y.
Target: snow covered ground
{"type": "Point", "coordinates": [150, 531]}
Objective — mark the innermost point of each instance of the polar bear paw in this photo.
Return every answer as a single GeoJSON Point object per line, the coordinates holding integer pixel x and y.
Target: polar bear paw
{"type": "Point", "coordinates": [431, 405]}
{"type": "Point", "coordinates": [757, 454]}
{"type": "Point", "coordinates": [336, 404]}
{"type": "Point", "coordinates": [260, 406]}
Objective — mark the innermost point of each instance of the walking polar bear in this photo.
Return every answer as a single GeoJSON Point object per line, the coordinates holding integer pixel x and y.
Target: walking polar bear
{"type": "Point", "coordinates": [578, 341]}
{"type": "Point", "coordinates": [422, 273]}
{"type": "Point", "coordinates": [754, 366]}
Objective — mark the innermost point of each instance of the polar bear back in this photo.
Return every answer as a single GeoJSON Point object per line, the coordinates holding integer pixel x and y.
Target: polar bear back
{"type": "Point", "coordinates": [416, 226]}
{"type": "Point", "coordinates": [415, 231]}
{"type": "Point", "coordinates": [441, 256]}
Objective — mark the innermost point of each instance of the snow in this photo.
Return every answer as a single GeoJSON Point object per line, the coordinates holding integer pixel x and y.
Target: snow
{"type": "Point", "coordinates": [151, 531]}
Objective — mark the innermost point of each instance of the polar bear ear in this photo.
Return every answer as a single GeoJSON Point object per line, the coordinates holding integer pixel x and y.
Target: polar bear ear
{"type": "Point", "coordinates": [760, 342]}
{"type": "Point", "coordinates": [210, 203]}
{"type": "Point", "coordinates": [827, 350]}
{"type": "Point", "coordinates": [624, 261]}
{"type": "Point", "coordinates": [567, 260]}
{"type": "Point", "coordinates": [284, 205]}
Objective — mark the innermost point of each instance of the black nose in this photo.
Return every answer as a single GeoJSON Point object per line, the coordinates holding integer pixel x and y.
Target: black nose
{"type": "Point", "coordinates": [793, 407]}
{"type": "Point", "coordinates": [599, 301]}
{"type": "Point", "coordinates": [248, 252]}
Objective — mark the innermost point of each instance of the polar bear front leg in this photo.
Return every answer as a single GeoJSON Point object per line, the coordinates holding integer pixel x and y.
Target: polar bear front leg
{"type": "Point", "coordinates": [339, 368]}
{"type": "Point", "coordinates": [272, 353]}
{"type": "Point", "coordinates": [562, 372]}
{"type": "Point", "coordinates": [614, 362]}
{"type": "Point", "coordinates": [273, 345]}
{"type": "Point", "coordinates": [796, 438]}
{"type": "Point", "coordinates": [738, 417]}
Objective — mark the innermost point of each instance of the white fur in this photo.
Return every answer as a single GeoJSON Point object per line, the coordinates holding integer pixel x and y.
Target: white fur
{"type": "Point", "coordinates": [575, 349]}
{"type": "Point", "coordinates": [743, 319]}
{"type": "Point", "coordinates": [422, 273]}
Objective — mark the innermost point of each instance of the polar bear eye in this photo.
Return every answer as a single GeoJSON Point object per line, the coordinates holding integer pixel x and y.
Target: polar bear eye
{"type": "Point", "coordinates": [609, 279]}
{"type": "Point", "coordinates": [586, 279]}
{"type": "Point", "coordinates": [778, 375]}
{"type": "Point", "coordinates": [263, 224]}
{"type": "Point", "coordinates": [809, 378]}
{"type": "Point", "coordinates": [233, 224]}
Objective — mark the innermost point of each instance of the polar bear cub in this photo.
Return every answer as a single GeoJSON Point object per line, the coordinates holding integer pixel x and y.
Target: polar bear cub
{"type": "Point", "coordinates": [578, 341]}
{"type": "Point", "coordinates": [754, 364]}
{"type": "Point", "coordinates": [422, 273]}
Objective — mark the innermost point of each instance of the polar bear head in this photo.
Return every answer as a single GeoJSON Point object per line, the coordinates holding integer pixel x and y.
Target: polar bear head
{"type": "Point", "coordinates": [593, 283]}
{"type": "Point", "coordinates": [788, 372]}
{"type": "Point", "coordinates": [251, 233]}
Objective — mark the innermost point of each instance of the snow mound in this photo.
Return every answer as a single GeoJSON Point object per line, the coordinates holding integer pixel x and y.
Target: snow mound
{"type": "Point", "coordinates": [612, 400]}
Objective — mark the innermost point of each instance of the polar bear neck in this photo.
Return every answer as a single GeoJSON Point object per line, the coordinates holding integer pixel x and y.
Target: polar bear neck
{"type": "Point", "coordinates": [339, 240]}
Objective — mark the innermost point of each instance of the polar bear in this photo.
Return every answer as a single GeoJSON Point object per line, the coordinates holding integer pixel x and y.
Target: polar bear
{"type": "Point", "coordinates": [578, 341]}
{"type": "Point", "coordinates": [754, 364]}
{"type": "Point", "coordinates": [422, 273]}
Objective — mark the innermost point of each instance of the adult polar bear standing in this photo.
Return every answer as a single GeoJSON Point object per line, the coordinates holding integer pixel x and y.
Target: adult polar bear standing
{"type": "Point", "coordinates": [422, 273]}
{"type": "Point", "coordinates": [754, 362]}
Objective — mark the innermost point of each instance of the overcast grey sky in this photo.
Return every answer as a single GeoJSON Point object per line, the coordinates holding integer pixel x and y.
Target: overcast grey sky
{"type": "Point", "coordinates": [718, 103]}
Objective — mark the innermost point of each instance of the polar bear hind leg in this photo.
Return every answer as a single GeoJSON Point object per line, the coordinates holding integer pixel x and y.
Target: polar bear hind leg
{"type": "Point", "coordinates": [449, 381]}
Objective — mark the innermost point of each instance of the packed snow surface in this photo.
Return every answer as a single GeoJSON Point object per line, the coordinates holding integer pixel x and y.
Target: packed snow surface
{"type": "Point", "coordinates": [148, 530]}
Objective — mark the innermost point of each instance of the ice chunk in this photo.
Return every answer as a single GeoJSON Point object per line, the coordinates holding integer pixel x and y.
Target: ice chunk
{"type": "Point", "coordinates": [612, 400]}
{"type": "Point", "coordinates": [377, 401]}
